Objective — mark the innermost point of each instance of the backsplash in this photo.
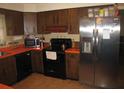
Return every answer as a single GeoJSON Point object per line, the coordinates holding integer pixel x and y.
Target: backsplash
{"type": "Point", "coordinates": [12, 40]}
{"type": "Point", "coordinates": [60, 35]}
{"type": "Point", "coordinates": [19, 39]}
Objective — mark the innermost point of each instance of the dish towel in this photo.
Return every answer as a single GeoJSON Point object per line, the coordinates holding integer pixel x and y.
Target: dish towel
{"type": "Point", "coordinates": [51, 55]}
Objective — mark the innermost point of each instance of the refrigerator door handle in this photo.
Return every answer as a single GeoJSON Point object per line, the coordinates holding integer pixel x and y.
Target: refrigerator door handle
{"type": "Point", "coordinates": [97, 42]}
{"type": "Point", "coordinates": [94, 37]}
{"type": "Point", "coordinates": [94, 40]}
{"type": "Point", "coordinates": [97, 38]}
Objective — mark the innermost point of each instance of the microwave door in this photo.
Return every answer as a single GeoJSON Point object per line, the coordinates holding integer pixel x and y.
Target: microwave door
{"type": "Point", "coordinates": [30, 42]}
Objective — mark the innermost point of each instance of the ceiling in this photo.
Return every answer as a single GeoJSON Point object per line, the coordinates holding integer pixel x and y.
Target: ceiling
{"type": "Point", "coordinates": [36, 7]}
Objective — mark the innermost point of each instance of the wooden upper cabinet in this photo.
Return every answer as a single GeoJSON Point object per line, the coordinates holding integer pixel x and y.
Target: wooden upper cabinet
{"type": "Point", "coordinates": [41, 23]}
{"type": "Point", "coordinates": [14, 22]}
{"type": "Point", "coordinates": [83, 12]}
{"type": "Point", "coordinates": [62, 18]}
{"type": "Point", "coordinates": [57, 18]}
{"type": "Point", "coordinates": [50, 18]}
{"type": "Point", "coordinates": [19, 23]}
{"type": "Point", "coordinates": [10, 27]}
{"type": "Point", "coordinates": [30, 23]}
{"type": "Point", "coordinates": [73, 21]}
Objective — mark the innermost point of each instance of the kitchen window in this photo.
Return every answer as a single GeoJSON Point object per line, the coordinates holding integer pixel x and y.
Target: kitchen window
{"type": "Point", "coordinates": [2, 29]}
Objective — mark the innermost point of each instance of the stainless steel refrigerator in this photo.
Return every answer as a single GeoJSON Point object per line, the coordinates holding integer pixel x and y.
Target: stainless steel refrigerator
{"type": "Point", "coordinates": [99, 51]}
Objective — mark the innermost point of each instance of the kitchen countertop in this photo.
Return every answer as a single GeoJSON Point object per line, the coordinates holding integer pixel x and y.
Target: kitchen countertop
{"type": "Point", "coordinates": [73, 51]}
{"type": "Point", "coordinates": [17, 50]}
{"type": "Point", "coordinates": [2, 86]}
{"type": "Point", "coordinates": [20, 49]}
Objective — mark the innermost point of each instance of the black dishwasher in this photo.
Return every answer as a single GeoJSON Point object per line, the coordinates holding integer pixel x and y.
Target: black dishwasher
{"type": "Point", "coordinates": [23, 64]}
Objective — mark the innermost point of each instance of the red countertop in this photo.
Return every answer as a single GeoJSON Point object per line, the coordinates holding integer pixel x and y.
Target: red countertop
{"type": "Point", "coordinates": [2, 86]}
{"type": "Point", "coordinates": [19, 49]}
{"type": "Point", "coordinates": [73, 51]}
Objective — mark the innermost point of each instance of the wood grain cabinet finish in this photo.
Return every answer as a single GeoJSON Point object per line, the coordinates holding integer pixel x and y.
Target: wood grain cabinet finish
{"type": "Point", "coordinates": [14, 23]}
{"type": "Point", "coordinates": [37, 61]}
{"type": "Point", "coordinates": [72, 66]}
{"type": "Point", "coordinates": [57, 18]}
{"type": "Point", "coordinates": [48, 19]}
{"type": "Point", "coordinates": [73, 21]}
{"type": "Point", "coordinates": [8, 72]}
{"type": "Point", "coordinates": [83, 12]}
{"type": "Point", "coordinates": [41, 23]}
{"type": "Point", "coordinates": [62, 19]}
{"type": "Point", "coordinates": [30, 22]}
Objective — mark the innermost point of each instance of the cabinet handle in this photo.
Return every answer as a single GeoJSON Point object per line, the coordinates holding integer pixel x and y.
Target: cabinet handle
{"type": "Point", "coordinates": [70, 28]}
{"type": "Point", "coordinates": [57, 19]}
{"type": "Point", "coordinates": [54, 20]}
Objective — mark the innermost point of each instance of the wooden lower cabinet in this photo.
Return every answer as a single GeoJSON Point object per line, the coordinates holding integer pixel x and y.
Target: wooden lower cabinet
{"type": "Point", "coordinates": [8, 72]}
{"type": "Point", "coordinates": [72, 62]}
{"type": "Point", "coordinates": [37, 61]}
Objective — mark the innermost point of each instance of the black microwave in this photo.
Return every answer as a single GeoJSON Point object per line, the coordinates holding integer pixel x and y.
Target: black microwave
{"type": "Point", "coordinates": [32, 42]}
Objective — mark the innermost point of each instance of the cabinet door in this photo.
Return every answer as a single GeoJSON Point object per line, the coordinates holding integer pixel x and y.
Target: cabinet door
{"type": "Point", "coordinates": [41, 23]}
{"type": "Point", "coordinates": [19, 23]}
{"type": "Point", "coordinates": [62, 17]}
{"type": "Point", "coordinates": [37, 61]}
{"type": "Point", "coordinates": [9, 17]}
{"type": "Point", "coordinates": [57, 18]}
{"type": "Point", "coordinates": [30, 23]}
{"type": "Point", "coordinates": [72, 62]}
{"type": "Point", "coordinates": [50, 18]}
{"type": "Point", "coordinates": [14, 23]}
{"type": "Point", "coordinates": [8, 72]}
{"type": "Point", "coordinates": [83, 12]}
{"type": "Point", "coordinates": [73, 16]}
{"type": "Point", "coordinates": [2, 72]}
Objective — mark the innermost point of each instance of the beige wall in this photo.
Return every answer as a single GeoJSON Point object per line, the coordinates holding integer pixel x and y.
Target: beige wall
{"type": "Point", "coordinates": [74, 37]}
{"type": "Point", "coordinates": [55, 6]}
{"type": "Point", "coordinates": [30, 7]}
{"type": "Point", "coordinates": [35, 7]}
{"type": "Point", "coordinates": [13, 6]}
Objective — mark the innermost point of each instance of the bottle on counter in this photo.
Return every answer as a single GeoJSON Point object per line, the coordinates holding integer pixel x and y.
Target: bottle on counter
{"type": "Point", "coordinates": [73, 43]}
{"type": "Point", "coordinates": [41, 44]}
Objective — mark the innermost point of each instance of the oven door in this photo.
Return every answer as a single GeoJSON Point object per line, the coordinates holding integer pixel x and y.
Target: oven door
{"type": "Point", "coordinates": [56, 66]}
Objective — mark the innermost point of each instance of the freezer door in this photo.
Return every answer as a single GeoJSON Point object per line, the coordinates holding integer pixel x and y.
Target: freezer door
{"type": "Point", "coordinates": [107, 48]}
{"type": "Point", "coordinates": [87, 40]}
